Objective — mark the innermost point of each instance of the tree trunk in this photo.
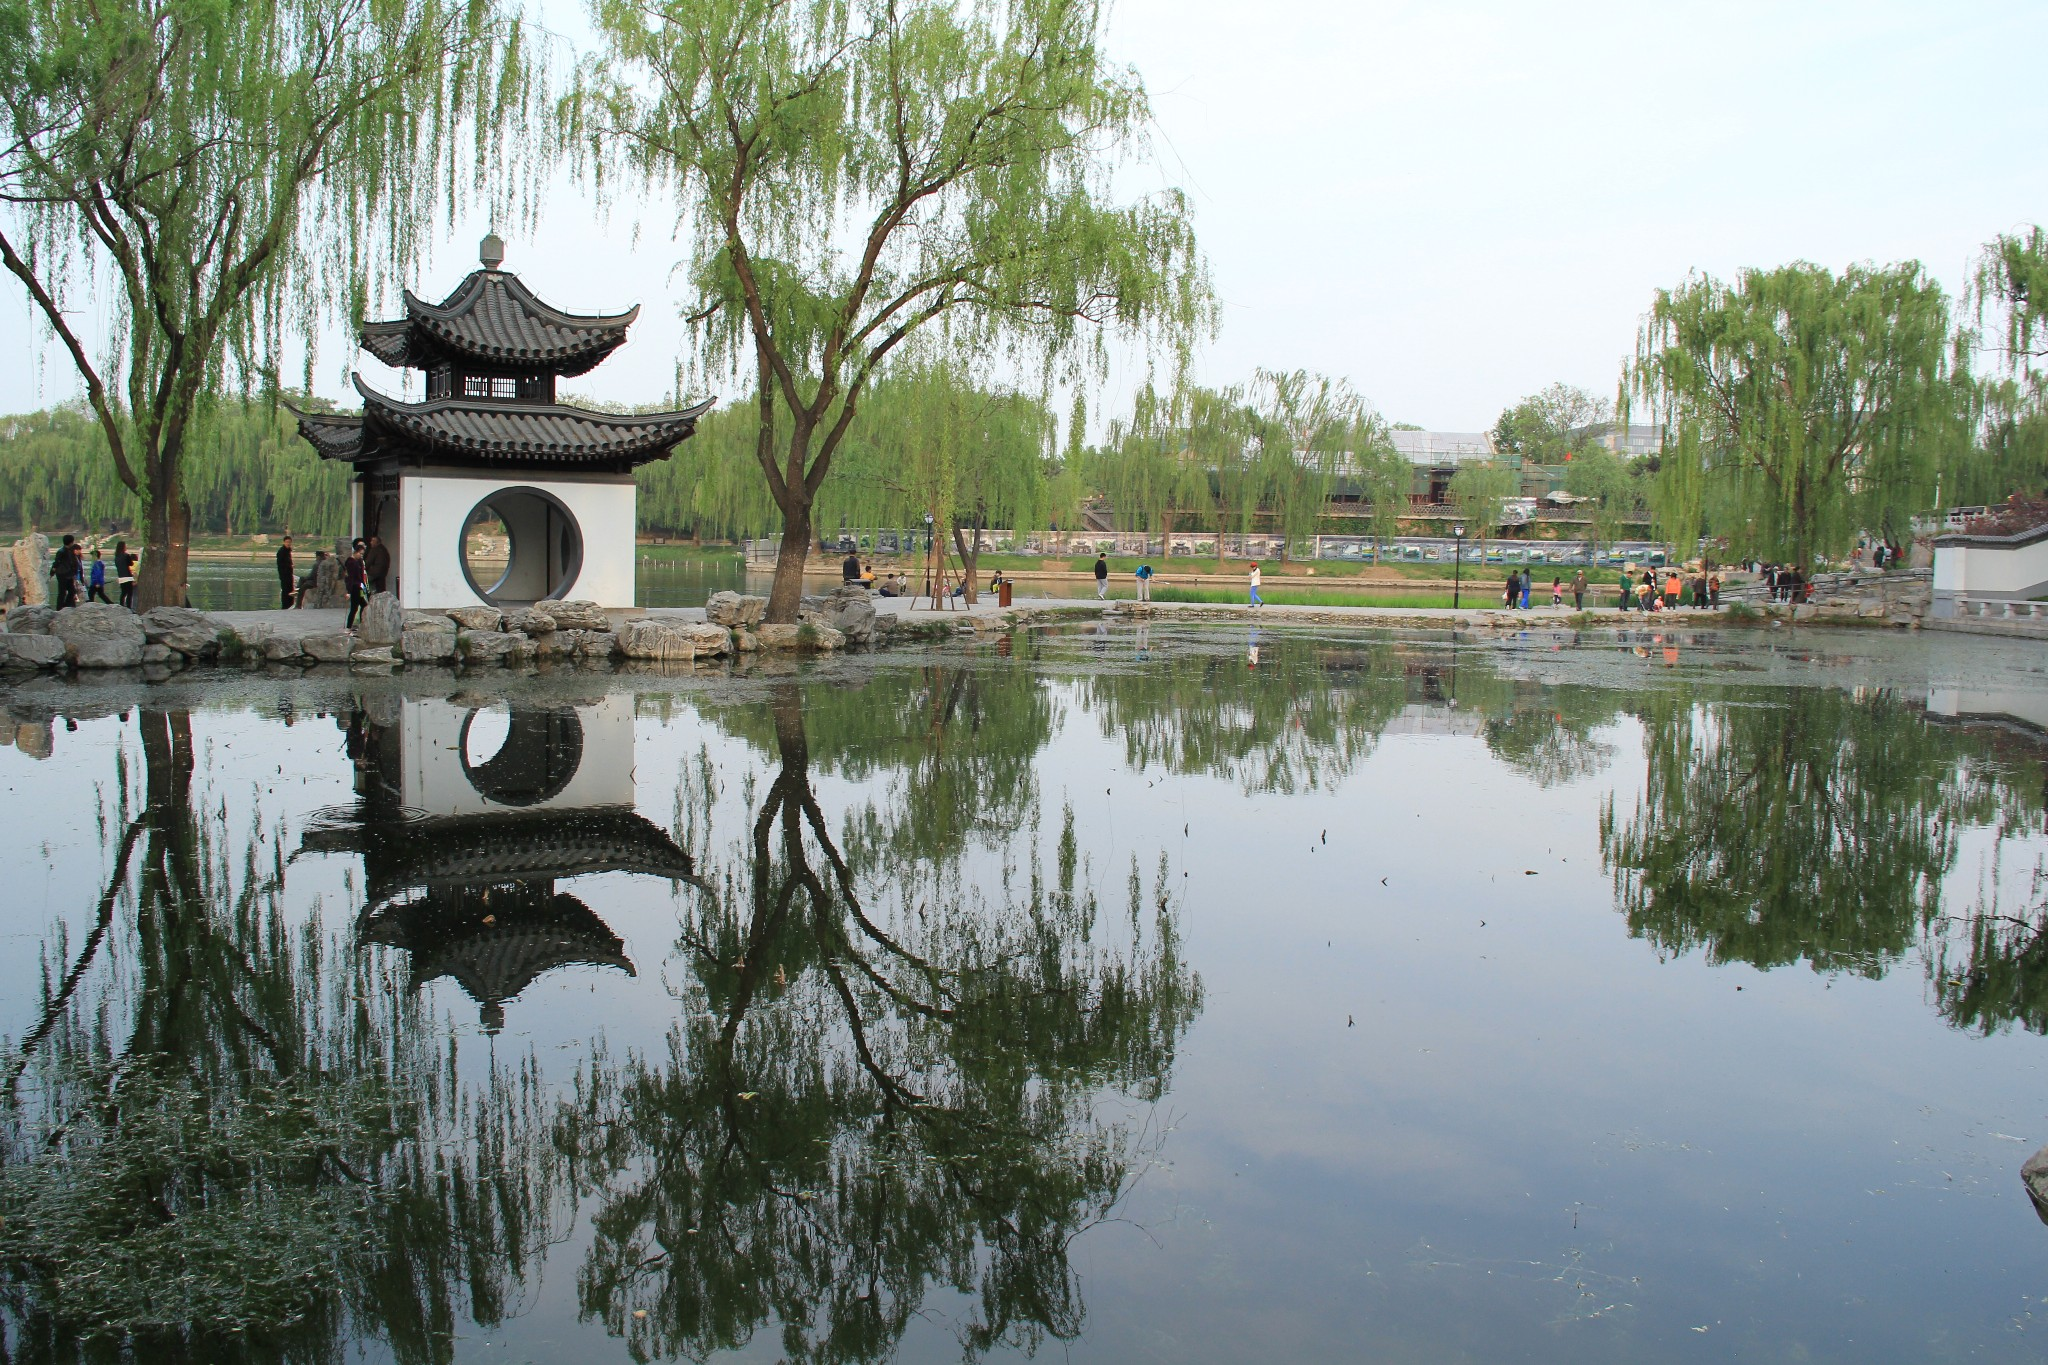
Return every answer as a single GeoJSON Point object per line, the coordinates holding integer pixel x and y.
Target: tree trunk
{"type": "Point", "coordinates": [166, 548]}
{"type": "Point", "coordinates": [1166, 535]}
{"type": "Point", "coordinates": [968, 553]}
{"type": "Point", "coordinates": [787, 593]}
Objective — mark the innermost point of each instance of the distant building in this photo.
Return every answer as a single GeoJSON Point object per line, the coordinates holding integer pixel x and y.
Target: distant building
{"type": "Point", "coordinates": [1443, 447]}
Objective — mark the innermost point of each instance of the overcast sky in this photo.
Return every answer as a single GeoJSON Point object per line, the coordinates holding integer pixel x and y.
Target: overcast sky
{"type": "Point", "coordinates": [1454, 203]}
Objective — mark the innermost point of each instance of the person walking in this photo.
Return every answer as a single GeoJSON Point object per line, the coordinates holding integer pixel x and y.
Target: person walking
{"type": "Point", "coordinates": [1714, 590]}
{"type": "Point", "coordinates": [64, 569]}
{"type": "Point", "coordinates": [1527, 577]}
{"type": "Point", "coordinates": [1670, 589]}
{"type": "Point", "coordinates": [124, 573]}
{"type": "Point", "coordinates": [1557, 592]}
{"type": "Point", "coordinates": [1578, 590]}
{"type": "Point", "coordinates": [376, 563]}
{"type": "Point", "coordinates": [1144, 582]}
{"type": "Point", "coordinates": [287, 581]}
{"type": "Point", "coordinates": [97, 591]}
{"type": "Point", "coordinates": [1256, 600]}
{"type": "Point", "coordinates": [1514, 589]}
{"type": "Point", "coordinates": [353, 574]}
{"type": "Point", "coordinates": [1628, 591]}
{"type": "Point", "coordinates": [1101, 576]}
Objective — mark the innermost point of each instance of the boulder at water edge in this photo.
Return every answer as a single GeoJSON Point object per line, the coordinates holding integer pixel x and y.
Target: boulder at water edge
{"type": "Point", "coordinates": [2034, 1175]}
{"type": "Point", "coordinates": [527, 621]}
{"type": "Point", "coordinates": [428, 644]}
{"type": "Point", "coordinates": [329, 646]}
{"type": "Point", "coordinates": [729, 608]}
{"type": "Point", "coordinates": [574, 615]}
{"type": "Point", "coordinates": [806, 636]}
{"type": "Point", "coordinates": [661, 640]}
{"type": "Point", "coordinates": [31, 651]}
{"type": "Point", "coordinates": [100, 636]}
{"type": "Point", "coordinates": [30, 621]}
{"type": "Point", "coordinates": [482, 648]}
{"type": "Point", "coordinates": [193, 634]}
{"type": "Point", "coordinates": [382, 622]}
{"type": "Point", "coordinates": [477, 617]}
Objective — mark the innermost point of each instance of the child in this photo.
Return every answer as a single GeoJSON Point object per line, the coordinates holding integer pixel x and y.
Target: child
{"type": "Point", "coordinates": [98, 581]}
{"type": "Point", "coordinates": [1557, 592]}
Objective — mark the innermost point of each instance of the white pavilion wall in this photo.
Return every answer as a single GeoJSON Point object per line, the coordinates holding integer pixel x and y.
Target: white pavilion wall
{"type": "Point", "coordinates": [435, 505]}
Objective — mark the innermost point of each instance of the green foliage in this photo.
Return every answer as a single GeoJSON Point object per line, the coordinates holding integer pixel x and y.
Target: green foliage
{"type": "Point", "coordinates": [1598, 473]}
{"type": "Point", "coordinates": [853, 172]}
{"type": "Point", "coordinates": [247, 471]}
{"type": "Point", "coordinates": [224, 171]}
{"type": "Point", "coordinates": [2010, 294]}
{"type": "Point", "coordinates": [1800, 406]}
{"type": "Point", "coordinates": [1480, 490]}
{"type": "Point", "coordinates": [1551, 426]}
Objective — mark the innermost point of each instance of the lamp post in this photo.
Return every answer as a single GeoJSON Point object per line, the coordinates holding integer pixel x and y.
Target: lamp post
{"type": "Point", "coordinates": [1457, 566]}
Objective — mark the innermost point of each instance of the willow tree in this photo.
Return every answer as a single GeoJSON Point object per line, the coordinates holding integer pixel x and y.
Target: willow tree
{"type": "Point", "coordinates": [850, 173]}
{"type": "Point", "coordinates": [1480, 490]}
{"type": "Point", "coordinates": [1385, 476]}
{"type": "Point", "coordinates": [1598, 474]}
{"type": "Point", "coordinates": [212, 169]}
{"type": "Point", "coordinates": [1800, 406]}
{"type": "Point", "coordinates": [2010, 298]}
{"type": "Point", "coordinates": [1310, 422]}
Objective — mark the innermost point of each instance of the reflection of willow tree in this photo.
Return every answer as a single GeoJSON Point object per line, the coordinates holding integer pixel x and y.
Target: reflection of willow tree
{"type": "Point", "coordinates": [1548, 737]}
{"type": "Point", "coordinates": [226, 1137]}
{"type": "Point", "coordinates": [1305, 718]}
{"type": "Point", "coordinates": [948, 749]}
{"type": "Point", "coordinates": [863, 1105]}
{"type": "Point", "coordinates": [1816, 827]}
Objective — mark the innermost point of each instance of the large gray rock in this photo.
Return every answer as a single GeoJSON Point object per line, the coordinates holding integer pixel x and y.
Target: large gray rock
{"type": "Point", "coordinates": [191, 633]}
{"type": "Point", "coordinates": [10, 591]}
{"type": "Point", "coordinates": [651, 639]}
{"type": "Point", "coordinates": [575, 615]}
{"type": "Point", "coordinates": [283, 649]}
{"type": "Point", "coordinates": [159, 622]}
{"type": "Point", "coordinates": [729, 608]}
{"type": "Point", "coordinates": [803, 636]}
{"type": "Point", "coordinates": [482, 648]}
{"type": "Point", "coordinates": [329, 646]}
{"type": "Point", "coordinates": [154, 655]}
{"type": "Point", "coordinates": [597, 644]}
{"type": "Point", "coordinates": [529, 622]}
{"type": "Point", "coordinates": [381, 622]}
{"type": "Point", "coordinates": [2034, 1175]}
{"type": "Point", "coordinates": [477, 618]}
{"type": "Point", "coordinates": [30, 620]}
{"type": "Point", "coordinates": [327, 589]}
{"type": "Point", "coordinates": [99, 636]}
{"type": "Point", "coordinates": [31, 557]}
{"type": "Point", "coordinates": [852, 617]}
{"type": "Point", "coordinates": [31, 651]}
{"type": "Point", "coordinates": [428, 644]}
{"type": "Point", "coordinates": [375, 656]}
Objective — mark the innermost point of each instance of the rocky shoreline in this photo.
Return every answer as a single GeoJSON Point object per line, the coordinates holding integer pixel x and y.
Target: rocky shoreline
{"type": "Point", "coordinates": [166, 639]}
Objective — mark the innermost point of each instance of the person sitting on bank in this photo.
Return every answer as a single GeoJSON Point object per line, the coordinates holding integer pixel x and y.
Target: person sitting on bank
{"type": "Point", "coordinates": [849, 569]}
{"type": "Point", "coordinates": [307, 578]}
{"type": "Point", "coordinates": [867, 575]}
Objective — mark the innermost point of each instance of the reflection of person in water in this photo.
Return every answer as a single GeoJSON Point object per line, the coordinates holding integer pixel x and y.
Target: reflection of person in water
{"type": "Point", "coordinates": [1251, 649]}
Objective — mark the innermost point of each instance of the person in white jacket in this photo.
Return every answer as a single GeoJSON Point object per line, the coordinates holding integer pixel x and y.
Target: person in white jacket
{"type": "Point", "coordinates": [1257, 601]}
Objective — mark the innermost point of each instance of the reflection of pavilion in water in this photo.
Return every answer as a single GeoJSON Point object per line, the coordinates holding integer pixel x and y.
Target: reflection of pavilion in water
{"type": "Point", "coordinates": [462, 852]}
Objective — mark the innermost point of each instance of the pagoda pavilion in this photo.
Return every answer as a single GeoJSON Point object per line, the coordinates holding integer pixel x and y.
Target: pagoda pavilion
{"type": "Point", "coordinates": [490, 446]}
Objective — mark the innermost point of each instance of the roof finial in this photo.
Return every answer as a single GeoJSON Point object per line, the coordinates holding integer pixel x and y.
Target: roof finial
{"type": "Point", "coordinates": [491, 251]}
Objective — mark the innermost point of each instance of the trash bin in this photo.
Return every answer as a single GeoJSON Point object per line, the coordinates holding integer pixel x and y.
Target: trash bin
{"type": "Point", "coordinates": [1003, 594]}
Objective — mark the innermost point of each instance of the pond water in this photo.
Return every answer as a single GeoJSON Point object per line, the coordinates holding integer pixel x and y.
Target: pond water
{"type": "Point", "coordinates": [1121, 993]}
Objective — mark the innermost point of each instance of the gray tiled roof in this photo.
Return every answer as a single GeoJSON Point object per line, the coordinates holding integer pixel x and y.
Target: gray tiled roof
{"type": "Point", "coordinates": [472, 431]}
{"type": "Point", "coordinates": [492, 317]}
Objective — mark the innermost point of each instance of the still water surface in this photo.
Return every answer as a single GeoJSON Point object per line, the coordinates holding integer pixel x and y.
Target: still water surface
{"type": "Point", "coordinates": [1114, 994]}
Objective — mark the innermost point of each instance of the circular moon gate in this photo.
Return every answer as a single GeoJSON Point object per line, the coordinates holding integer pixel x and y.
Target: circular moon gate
{"type": "Point", "coordinates": [543, 747]}
{"type": "Point", "coordinates": [544, 547]}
